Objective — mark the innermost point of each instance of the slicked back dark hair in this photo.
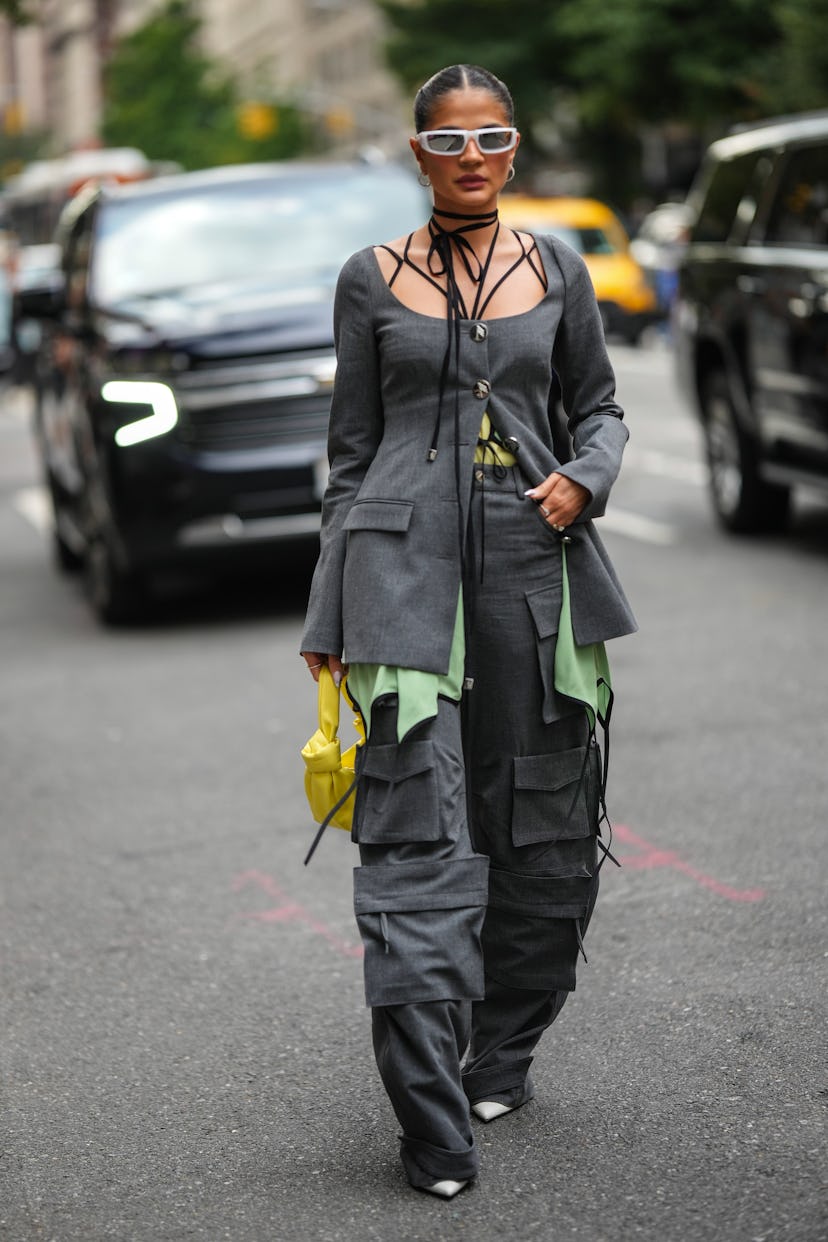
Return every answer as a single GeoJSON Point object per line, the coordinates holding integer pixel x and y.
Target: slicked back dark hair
{"type": "Point", "coordinates": [458, 78]}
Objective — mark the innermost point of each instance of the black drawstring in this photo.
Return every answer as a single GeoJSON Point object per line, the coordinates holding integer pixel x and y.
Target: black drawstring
{"type": "Point", "coordinates": [604, 818]}
{"type": "Point", "coordinates": [440, 262]}
{"type": "Point", "coordinates": [337, 806]}
{"type": "Point", "coordinates": [490, 447]}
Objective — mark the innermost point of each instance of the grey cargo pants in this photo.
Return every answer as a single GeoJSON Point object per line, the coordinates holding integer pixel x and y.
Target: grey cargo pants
{"type": "Point", "coordinates": [477, 839]}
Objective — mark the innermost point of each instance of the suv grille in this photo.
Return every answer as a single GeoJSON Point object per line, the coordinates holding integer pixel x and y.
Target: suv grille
{"type": "Point", "coordinates": [251, 403]}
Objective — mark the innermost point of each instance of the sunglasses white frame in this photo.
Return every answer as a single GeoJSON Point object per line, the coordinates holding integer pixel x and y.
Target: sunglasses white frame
{"type": "Point", "coordinates": [424, 138]}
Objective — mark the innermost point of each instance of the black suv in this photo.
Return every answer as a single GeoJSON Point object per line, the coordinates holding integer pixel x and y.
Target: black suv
{"type": "Point", "coordinates": [183, 392]}
{"type": "Point", "coordinates": [751, 318]}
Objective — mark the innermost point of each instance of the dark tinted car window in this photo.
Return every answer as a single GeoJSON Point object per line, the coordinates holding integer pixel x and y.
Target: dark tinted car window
{"type": "Point", "coordinates": [800, 211]}
{"type": "Point", "coordinates": [730, 183]}
{"type": "Point", "coordinates": [584, 240]}
{"type": "Point", "coordinates": [284, 229]}
{"type": "Point", "coordinates": [594, 241]}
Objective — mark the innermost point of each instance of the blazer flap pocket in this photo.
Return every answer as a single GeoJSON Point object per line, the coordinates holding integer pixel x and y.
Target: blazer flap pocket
{"type": "Point", "coordinates": [398, 763]}
{"type": "Point", "coordinates": [393, 515]}
{"type": "Point", "coordinates": [545, 607]}
{"type": "Point", "coordinates": [549, 772]}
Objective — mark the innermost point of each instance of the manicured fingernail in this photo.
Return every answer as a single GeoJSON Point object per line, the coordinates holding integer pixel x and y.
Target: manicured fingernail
{"type": "Point", "coordinates": [337, 678]}
{"type": "Point", "coordinates": [530, 492]}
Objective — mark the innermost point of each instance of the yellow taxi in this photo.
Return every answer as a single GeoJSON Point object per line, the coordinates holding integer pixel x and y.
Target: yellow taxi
{"type": "Point", "coordinates": [626, 299]}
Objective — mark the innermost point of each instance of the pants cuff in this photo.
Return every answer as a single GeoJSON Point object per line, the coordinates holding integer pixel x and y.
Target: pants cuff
{"type": "Point", "coordinates": [494, 1081]}
{"type": "Point", "coordinates": [426, 1164]}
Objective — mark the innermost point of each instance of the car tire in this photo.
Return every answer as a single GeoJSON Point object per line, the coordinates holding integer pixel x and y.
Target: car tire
{"type": "Point", "coordinates": [67, 559]}
{"type": "Point", "coordinates": [117, 596]}
{"type": "Point", "coordinates": [743, 501]}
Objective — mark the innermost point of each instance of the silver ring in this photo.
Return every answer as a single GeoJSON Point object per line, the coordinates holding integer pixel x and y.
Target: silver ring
{"type": "Point", "coordinates": [311, 667]}
{"type": "Point", "coordinates": [545, 512]}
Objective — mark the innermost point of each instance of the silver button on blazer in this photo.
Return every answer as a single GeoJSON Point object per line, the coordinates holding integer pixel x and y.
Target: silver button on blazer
{"type": "Point", "coordinates": [386, 584]}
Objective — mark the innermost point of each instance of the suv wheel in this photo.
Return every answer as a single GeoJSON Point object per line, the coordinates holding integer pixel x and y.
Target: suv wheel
{"type": "Point", "coordinates": [117, 597]}
{"type": "Point", "coordinates": [65, 558]}
{"type": "Point", "coordinates": [65, 555]}
{"type": "Point", "coordinates": [743, 501]}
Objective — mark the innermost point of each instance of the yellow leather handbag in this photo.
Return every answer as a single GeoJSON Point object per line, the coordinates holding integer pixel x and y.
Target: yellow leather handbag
{"type": "Point", "coordinates": [330, 775]}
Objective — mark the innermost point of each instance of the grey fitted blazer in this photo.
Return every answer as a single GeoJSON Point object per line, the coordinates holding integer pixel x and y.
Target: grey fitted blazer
{"type": "Point", "coordinates": [386, 584]}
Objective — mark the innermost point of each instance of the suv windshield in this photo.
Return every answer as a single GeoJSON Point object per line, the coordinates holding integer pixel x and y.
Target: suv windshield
{"type": "Point", "coordinates": [280, 231]}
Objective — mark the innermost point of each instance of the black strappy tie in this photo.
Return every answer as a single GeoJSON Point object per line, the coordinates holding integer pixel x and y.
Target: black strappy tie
{"type": "Point", "coordinates": [446, 247]}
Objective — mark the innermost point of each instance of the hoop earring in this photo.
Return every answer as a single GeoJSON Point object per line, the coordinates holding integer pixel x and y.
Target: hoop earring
{"type": "Point", "coordinates": [511, 173]}
{"type": "Point", "coordinates": [423, 178]}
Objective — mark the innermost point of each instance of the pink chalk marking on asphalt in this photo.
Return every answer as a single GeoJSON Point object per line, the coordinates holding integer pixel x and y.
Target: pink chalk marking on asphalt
{"type": "Point", "coordinates": [289, 911]}
{"type": "Point", "coordinates": [652, 856]}
{"type": "Point", "coordinates": [647, 857]}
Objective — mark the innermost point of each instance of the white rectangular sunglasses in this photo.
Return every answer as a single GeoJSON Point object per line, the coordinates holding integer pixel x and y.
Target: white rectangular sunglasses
{"type": "Point", "coordinates": [491, 140]}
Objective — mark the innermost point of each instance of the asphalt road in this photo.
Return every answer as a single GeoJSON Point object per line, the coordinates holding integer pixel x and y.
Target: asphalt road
{"type": "Point", "coordinates": [185, 1053]}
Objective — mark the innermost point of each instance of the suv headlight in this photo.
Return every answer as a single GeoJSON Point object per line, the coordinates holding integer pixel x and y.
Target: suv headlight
{"type": "Point", "coordinates": [157, 397]}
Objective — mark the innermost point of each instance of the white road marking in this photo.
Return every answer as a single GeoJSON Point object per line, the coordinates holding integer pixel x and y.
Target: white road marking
{"type": "Point", "coordinates": [636, 526]}
{"type": "Point", "coordinates": [632, 361]}
{"type": "Point", "coordinates": [32, 503]}
{"type": "Point", "coordinates": [15, 405]}
{"type": "Point", "coordinates": [666, 466]}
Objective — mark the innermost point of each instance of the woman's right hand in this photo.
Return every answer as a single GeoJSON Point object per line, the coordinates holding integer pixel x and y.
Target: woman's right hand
{"type": "Point", "coordinates": [315, 660]}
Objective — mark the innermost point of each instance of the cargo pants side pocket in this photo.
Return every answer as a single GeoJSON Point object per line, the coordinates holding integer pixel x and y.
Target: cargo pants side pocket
{"type": "Point", "coordinates": [420, 924]}
{"type": "Point", "coordinates": [531, 936]}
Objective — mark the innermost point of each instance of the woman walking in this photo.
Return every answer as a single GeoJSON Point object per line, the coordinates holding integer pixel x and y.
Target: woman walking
{"type": "Point", "coordinates": [462, 583]}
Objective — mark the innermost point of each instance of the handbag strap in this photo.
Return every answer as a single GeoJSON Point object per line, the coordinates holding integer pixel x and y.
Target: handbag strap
{"type": "Point", "coordinates": [328, 703]}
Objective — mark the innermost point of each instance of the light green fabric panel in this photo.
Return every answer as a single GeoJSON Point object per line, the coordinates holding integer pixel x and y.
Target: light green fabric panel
{"type": "Point", "coordinates": [416, 691]}
{"type": "Point", "coordinates": [581, 673]}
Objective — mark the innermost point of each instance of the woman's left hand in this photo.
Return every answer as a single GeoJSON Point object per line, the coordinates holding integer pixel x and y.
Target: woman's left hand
{"type": "Point", "coordinates": [315, 660]}
{"type": "Point", "coordinates": [559, 499]}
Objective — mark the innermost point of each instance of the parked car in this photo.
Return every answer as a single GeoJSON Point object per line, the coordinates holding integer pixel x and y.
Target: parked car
{"type": "Point", "coordinates": [626, 299]}
{"type": "Point", "coordinates": [183, 392]}
{"type": "Point", "coordinates": [38, 268]}
{"type": "Point", "coordinates": [752, 317]}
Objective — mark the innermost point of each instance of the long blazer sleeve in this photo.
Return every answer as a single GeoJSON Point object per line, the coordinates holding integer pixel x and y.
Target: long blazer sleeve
{"type": "Point", "coordinates": [355, 431]}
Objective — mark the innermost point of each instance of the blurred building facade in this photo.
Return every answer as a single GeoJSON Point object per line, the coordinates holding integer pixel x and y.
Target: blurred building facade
{"type": "Point", "coordinates": [324, 54]}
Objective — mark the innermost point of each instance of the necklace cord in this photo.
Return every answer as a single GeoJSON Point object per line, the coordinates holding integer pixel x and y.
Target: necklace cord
{"type": "Point", "coordinates": [444, 244]}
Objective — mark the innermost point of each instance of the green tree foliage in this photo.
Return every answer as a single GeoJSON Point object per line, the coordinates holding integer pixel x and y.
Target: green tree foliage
{"type": "Point", "coordinates": [659, 60]}
{"type": "Point", "coordinates": [800, 79]}
{"type": "Point", "coordinates": [516, 39]}
{"type": "Point", "coordinates": [164, 96]}
{"type": "Point", "coordinates": [619, 67]}
{"type": "Point", "coordinates": [630, 61]}
{"type": "Point", "coordinates": [18, 12]}
{"type": "Point", "coordinates": [19, 149]}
